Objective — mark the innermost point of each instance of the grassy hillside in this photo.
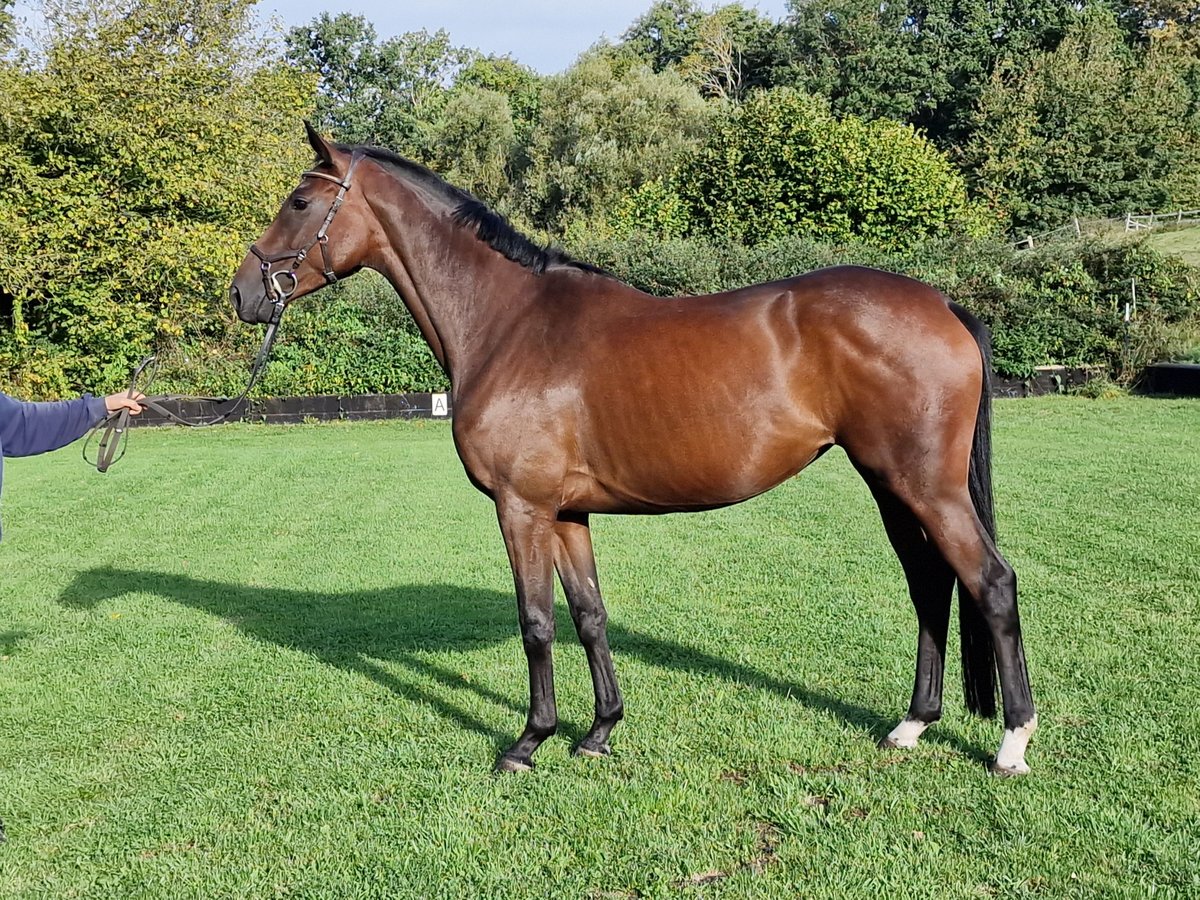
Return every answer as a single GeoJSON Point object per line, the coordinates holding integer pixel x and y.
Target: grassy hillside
{"type": "Point", "coordinates": [1183, 242]}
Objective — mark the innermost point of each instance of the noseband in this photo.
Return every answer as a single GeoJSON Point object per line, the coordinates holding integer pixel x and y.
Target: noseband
{"type": "Point", "coordinates": [274, 281]}
{"type": "Point", "coordinates": [114, 430]}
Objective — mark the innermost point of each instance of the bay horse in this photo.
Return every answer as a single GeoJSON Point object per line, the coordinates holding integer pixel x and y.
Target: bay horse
{"type": "Point", "coordinates": [555, 367]}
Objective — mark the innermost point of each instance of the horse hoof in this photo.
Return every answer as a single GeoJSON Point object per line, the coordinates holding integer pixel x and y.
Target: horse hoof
{"type": "Point", "coordinates": [508, 764]}
{"type": "Point", "coordinates": [593, 751]}
{"type": "Point", "coordinates": [905, 735]}
{"type": "Point", "coordinates": [1013, 771]}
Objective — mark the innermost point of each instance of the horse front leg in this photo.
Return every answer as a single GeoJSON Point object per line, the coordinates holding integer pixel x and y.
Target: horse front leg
{"type": "Point", "coordinates": [529, 538]}
{"type": "Point", "coordinates": [576, 564]}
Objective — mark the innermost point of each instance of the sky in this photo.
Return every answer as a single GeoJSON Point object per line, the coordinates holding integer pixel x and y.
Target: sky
{"type": "Point", "coordinates": [545, 35]}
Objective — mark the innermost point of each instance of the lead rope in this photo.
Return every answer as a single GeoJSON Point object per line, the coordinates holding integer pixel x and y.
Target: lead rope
{"type": "Point", "coordinates": [113, 431]}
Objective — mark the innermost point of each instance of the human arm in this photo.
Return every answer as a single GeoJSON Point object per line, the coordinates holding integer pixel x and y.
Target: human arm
{"type": "Point", "coordinates": [27, 429]}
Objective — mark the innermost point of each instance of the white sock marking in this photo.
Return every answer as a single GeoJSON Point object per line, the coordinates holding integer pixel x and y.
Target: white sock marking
{"type": "Point", "coordinates": [906, 733]}
{"type": "Point", "coordinates": [1011, 755]}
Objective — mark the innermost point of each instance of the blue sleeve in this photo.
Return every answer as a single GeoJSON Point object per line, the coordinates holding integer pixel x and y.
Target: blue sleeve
{"type": "Point", "coordinates": [27, 429]}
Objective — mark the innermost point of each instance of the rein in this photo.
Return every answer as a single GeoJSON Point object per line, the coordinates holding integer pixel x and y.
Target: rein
{"type": "Point", "coordinates": [114, 430]}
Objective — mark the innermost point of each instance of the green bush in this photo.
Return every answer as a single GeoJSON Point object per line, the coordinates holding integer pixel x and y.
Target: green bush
{"type": "Point", "coordinates": [1059, 305]}
{"type": "Point", "coordinates": [355, 337]}
{"type": "Point", "coordinates": [781, 163]}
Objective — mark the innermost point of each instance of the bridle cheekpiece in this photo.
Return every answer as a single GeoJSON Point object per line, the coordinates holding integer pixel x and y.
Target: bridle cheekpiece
{"type": "Point", "coordinates": [273, 281]}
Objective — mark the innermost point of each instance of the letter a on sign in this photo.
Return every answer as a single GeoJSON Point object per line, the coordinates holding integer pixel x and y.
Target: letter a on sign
{"type": "Point", "coordinates": [440, 406]}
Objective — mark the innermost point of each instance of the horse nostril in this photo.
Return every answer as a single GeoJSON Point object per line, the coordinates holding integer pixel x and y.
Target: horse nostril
{"type": "Point", "coordinates": [235, 297]}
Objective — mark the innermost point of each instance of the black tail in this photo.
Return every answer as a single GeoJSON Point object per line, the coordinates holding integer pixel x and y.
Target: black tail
{"type": "Point", "coordinates": [978, 653]}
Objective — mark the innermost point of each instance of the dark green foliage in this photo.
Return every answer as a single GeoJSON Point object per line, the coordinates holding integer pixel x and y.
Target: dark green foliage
{"type": "Point", "coordinates": [519, 84]}
{"type": "Point", "coordinates": [475, 143]}
{"type": "Point", "coordinates": [347, 344]}
{"type": "Point", "coordinates": [387, 93]}
{"type": "Point", "coordinates": [355, 337]}
{"type": "Point", "coordinates": [1090, 129]}
{"type": "Point", "coordinates": [921, 63]}
{"type": "Point", "coordinates": [1062, 304]}
{"type": "Point", "coordinates": [601, 132]}
{"type": "Point", "coordinates": [725, 53]}
{"type": "Point", "coordinates": [665, 268]}
{"type": "Point", "coordinates": [664, 35]}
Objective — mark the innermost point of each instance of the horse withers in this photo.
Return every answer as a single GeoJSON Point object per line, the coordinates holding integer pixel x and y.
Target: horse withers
{"type": "Point", "coordinates": [553, 363]}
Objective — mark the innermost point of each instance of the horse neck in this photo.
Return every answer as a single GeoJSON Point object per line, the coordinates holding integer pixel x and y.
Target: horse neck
{"type": "Point", "coordinates": [462, 294]}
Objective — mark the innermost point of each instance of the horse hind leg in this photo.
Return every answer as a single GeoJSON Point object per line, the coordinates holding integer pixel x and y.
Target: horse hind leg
{"type": "Point", "coordinates": [576, 564]}
{"type": "Point", "coordinates": [930, 586]}
{"type": "Point", "coordinates": [991, 585]}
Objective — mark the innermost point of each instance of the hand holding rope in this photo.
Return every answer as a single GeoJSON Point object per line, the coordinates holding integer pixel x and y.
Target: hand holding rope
{"type": "Point", "coordinates": [113, 431]}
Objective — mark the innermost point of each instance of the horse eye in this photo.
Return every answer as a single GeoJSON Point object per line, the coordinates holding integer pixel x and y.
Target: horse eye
{"type": "Point", "coordinates": [299, 203]}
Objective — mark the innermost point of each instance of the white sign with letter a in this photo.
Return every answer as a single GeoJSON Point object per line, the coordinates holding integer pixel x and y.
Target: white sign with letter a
{"type": "Point", "coordinates": [441, 406]}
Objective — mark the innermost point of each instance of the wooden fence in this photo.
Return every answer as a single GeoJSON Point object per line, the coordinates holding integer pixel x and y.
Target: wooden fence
{"type": "Point", "coordinates": [1129, 222]}
{"type": "Point", "coordinates": [296, 410]}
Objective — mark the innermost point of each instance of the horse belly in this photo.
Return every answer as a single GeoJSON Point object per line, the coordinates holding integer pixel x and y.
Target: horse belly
{"type": "Point", "coordinates": [666, 463]}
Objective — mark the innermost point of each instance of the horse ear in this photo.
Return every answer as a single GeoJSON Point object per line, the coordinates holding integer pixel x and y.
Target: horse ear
{"type": "Point", "coordinates": [320, 146]}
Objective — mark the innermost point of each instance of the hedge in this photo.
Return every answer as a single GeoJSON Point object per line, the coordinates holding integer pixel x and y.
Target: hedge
{"type": "Point", "coordinates": [1062, 304]}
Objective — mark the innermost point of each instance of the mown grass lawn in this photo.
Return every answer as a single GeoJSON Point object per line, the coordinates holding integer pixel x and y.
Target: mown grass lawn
{"type": "Point", "coordinates": [1182, 242]}
{"type": "Point", "coordinates": [280, 661]}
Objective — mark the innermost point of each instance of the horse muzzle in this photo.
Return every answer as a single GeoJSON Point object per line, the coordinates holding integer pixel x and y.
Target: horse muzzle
{"type": "Point", "coordinates": [251, 303]}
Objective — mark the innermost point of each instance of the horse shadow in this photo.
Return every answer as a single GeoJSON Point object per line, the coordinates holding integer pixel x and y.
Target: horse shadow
{"type": "Point", "coordinates": [403, 624]}
{"type": "Point", "coordinates": [9, 641]}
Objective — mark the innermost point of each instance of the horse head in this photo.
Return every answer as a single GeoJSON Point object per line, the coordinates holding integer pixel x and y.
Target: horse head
{"type": "Point", "coordinates": [316, 237]}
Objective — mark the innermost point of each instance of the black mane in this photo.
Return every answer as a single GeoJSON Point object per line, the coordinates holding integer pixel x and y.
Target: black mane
{"type": "Point", "coordinates": [487, 224]}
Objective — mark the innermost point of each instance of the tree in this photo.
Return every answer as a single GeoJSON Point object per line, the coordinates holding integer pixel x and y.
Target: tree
{"type": "Point", "coordinates": [1146, 19]}
{"type": "Point", "coordinates": [726, 52]}
{"type": "Point", "coordinates": [923, 63]}
{"type": "Point", "coordinates": [664, 35]}
{"type": "Point", "coordinates": [474, 142]}
{"type": "Point", "coordinates": [736, 50]}
{"type": "Point", "coordinates": [504, 75]}
{"type": "Point", "coordinates": [386, 93]}
{"type": "Point", "coordinates": [137, 160]}
{"type": "Point", "coordinates": [782, 164]}
{"type": "Point", "coordinates": [1092, 128]}
{"type": "Point", "coordinates": [600, 134]}
{"type": "Point", "coordinates": [7, 25]}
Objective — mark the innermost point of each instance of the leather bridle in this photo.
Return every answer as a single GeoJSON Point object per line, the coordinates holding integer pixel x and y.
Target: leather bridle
{"type": "Point", "coordinates": [114, 430]}
{"type": "Point", "coordinates": [275, 289]}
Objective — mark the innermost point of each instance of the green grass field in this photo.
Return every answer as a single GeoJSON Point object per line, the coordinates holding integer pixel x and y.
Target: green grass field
{"type": "Point", "coordinates": [1183, 242]}
{"type": "Point", "coordinates": [267, 662]}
